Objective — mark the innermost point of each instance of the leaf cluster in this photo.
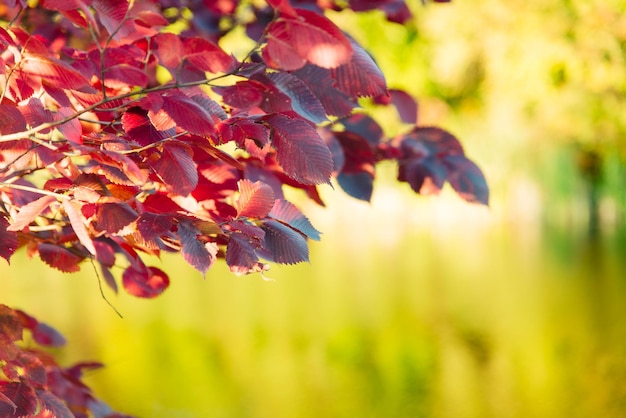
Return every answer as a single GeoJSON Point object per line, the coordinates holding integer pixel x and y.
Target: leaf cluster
{"type": "Point", "coordinates": [126, 130]}
{"type": "Point", "coordinates": [32, 384]}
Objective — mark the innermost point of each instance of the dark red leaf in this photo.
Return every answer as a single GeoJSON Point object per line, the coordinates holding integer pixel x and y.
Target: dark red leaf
{"type": "Point", "coordinates": [59, 257]}
{"type": "Point", "coordinates": [241, 255]}
{"type": "Point", "coordinates": [151, 225]}
{"type": "Point", "coordinates": [255, 199]}
{"type": "Point", "coordinates": [10, 326]}
{"type": "Point", "coordinates": [188, 114]}
{"type": "Point", "coordinates": [286, 212]}
{"type": "Point", "coordinates": [148, 282]}
{"type": "Point", "coordinates": [21, 396]}
{"type": "Point", "coordinates": [307, 37]}
{"type": "Point", "coordinates": [467, 179]}
{"type": "Point", "coordinates": [285, 245]}
{"type": "Point", "coordinates": [72, 130]}
{"type": "Point", "coordinates": [138, 127]}
{"type": "Point", "coordinates": [112, 217]}
{"type": "Point", "coordinates": [177, 169]}
{"type": "Point", "coordinates": [425, 141]}
{"type": "Point", "coordinates": [425, 175]}
{"type": "Point", "coordinates": [323, 86]}
{"type": "Point", "coordinates": [108, 278]}
{"type": "Point", "coordinates": [8, 240]}
{"type": "Point", "coordinates": [301, 152]}
{"type": "Point", "coordinates": [360, 77]}
{"type": "Point", "coordinates": [199, 255]}
{"type": "Point", "coordinates": [7, 406]}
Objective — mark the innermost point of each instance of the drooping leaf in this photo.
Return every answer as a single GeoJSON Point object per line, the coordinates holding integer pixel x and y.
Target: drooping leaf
{"type": "Point", "coordinates": [29, 212]}
{"type": "Point", "coordinates": [404, 103]}
{"type": "Point", "coordinates": [199, 255]}
{"type": "Point", "coordinates": [425, 175]}
{"type": "Point", "coordinates": [72, 129]}
{"type": "Point", "coordinates": [10, 326]}
{"type": "Point", "coordinates": [111, 13]}
{"type": "Point", "coordinates": [8, 240]}
{"type": "Point", "coordinates": [59, 258]}
{"type": "Point", "coordinates": [288, 213]}
{"type": "Point", "coordinates": [72, 209]}
{"type": "Point", "coordinates": [177, 168]}
{"type": "Point", "coordinates": [467, 179]}
{"type": "Point", "coordinates": [53, 404]}
{"type": "Point", "coordinates": [243, 243]}
{"type": "Point", "coordinates": [45, 335]}
{"type": "Point", "coordinates": [255, 199]}
{"type": "Point", "coordinates": [301, 152]}
{"type": "Point", "coordinates": [285, 245]}
{"type": "Point", "coordinates": [147, 282]}
{"type": "Point", "coordinates": [359, 185]}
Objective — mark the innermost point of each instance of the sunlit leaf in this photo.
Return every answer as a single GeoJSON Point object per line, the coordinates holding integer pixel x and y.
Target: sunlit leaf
{"type": "Point", "coordinates": [256, 199]}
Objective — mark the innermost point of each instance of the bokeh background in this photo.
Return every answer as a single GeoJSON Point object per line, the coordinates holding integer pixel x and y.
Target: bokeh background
{"type": "Point", "coordinates": [411, 306]}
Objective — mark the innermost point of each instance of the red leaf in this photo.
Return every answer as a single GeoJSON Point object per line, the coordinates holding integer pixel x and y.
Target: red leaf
{"type": "Point", "coordinates": [54, 72]}
{"type": "Point", "coordinates": [177, 169]}
{"type": "Point", "coordinates": [11, 326]}
{"type": "Point", "coordinates": [111, 13]}
{"type": "Point", "coordinates": [289, 214]}
{"type": "Point", "coordinates": [29, 212]}
{"type": "Point", "coordinates": [360, 77]}
{"type": "Point", "coordinates": [138, 127]}
{"type": "Point", "coordinates": [7, 406]}
{"type": "Point", "coordinates": [188, 114]}
{"type": "Point", "coordinates": [59, 257]}
{"type": "Point", "coordinates": [198, 255]}
{"type": "Point", "coordinates": [21, 396]}
{"type": "Point", "coordinates": [256, 199]}
{"type": "Point", "coordinates": [124, 75]}
{"type": "Point", "coordinates": [286, 246]}
{"type": "Point", "coordinates": [148, 282]}
{"type": "Point", "coordinates": [169, 49]}
{"type": "Point", "coordinates": [113, 217]}
{"type": "Point", "coordinates": [301, 152]}
{"type": "Point", "coordinates": [72, 130]}
{"type": "Point", "coordinates": [72, 209]}
{"type": "Point", "coordinates": [11, 120]}
{"type": "Point", "coordinates": [206, 56]}
{"type": "Point", "coordinates": [8, 240]}
{"type": "Point", "coordinates": [294, 40]}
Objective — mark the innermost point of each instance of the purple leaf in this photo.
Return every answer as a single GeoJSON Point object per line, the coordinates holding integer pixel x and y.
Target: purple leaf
{"type": "Point", "coordinates": [255, 199]}
{"type": "Point", "coordinates": [199, 255]}
{"type": "Point", "coordinates": [359, 185]}
{"type": "Point", "coordinates": [360, 77]}
{"type": "Point", "coordinates": [301, 152]}
{"type": "Point", "coordinates": [303, 101]}
{"type": "Point", "coordinates": [146, 282]}
{"type": "Point", "coordinates": [467, 179]}
{"type": "Point", "coordinates": [289, 214]}
{"type": "Point", "coordinates": [285, 245]}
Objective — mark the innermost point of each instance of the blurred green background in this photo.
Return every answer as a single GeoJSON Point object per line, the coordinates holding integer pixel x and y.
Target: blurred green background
{"type": "Point", "coordinates": [412, 307]}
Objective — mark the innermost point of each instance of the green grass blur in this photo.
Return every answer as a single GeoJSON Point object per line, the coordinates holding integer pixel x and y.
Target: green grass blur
{"type": "Point", "coordinates": [411, 307]}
